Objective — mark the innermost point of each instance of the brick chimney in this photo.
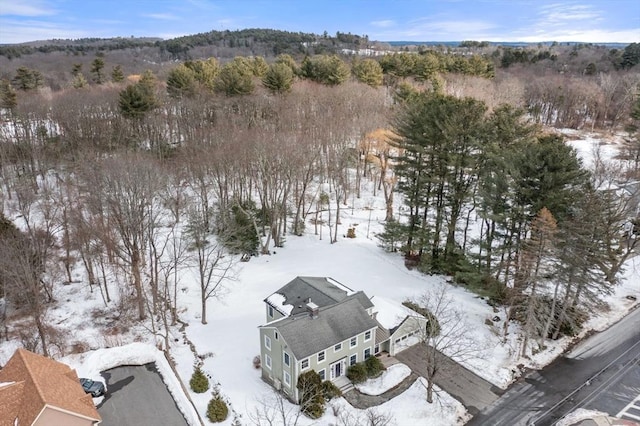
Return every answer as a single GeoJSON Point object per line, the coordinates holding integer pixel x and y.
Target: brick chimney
{"type": "Point", "coordinates": [312, 309]}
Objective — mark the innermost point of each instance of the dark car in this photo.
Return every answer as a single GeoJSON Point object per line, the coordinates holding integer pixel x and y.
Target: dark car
{"type": "Point", "coordinates": [92, 387]}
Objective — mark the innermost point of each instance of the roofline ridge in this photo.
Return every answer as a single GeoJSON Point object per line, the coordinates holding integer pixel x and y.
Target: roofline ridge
{"type": "Point", "coordinates": [21, 352]}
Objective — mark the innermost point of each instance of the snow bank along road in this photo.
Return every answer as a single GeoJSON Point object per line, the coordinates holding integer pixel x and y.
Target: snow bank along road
{"type": "Point", "coordinates": [602, 373]}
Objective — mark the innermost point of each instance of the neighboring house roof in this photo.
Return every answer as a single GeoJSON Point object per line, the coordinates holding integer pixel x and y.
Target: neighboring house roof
{"type": "Point", "coordinates": [333, 324]}
{"type": "Point", "coordinates": [391, 314]}
{"type": "Point", "coordinates": [38, 382]}
{"type": "Point", "coordinates": [293, 297]}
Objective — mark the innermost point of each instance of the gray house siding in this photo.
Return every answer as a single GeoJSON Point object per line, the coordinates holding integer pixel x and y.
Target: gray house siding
{"type": "Point", "coordinates": [410, 327]}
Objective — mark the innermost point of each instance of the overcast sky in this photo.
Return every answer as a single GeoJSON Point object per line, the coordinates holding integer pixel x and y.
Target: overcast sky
{"type": "Point", "coordinates": [591, 21]}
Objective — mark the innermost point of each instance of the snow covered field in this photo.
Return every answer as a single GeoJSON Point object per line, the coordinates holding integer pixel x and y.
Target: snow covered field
{"type": "Point", "coordinates": [229, 342]}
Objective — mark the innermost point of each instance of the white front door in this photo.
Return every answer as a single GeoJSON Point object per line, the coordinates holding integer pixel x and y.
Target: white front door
{"type": "Point", "coordinates": [338, 369]}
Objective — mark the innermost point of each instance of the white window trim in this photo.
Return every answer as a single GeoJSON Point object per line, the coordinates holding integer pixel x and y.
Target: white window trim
{"type": "Point", "coordinates": [356, 355]}
{"type": "Point", "coordinates": [287, 379]}
{"type": "Point", "coordinates": [364, 355]}
{"type": "Point", "coordinates": [365, 336]}
{"type": "Point", "coordinates": [302, 367]}
{"type": "Point", "coordinates": [267, 361]}
{"type": "Point", "coordinates": [324, 356]}
{"type": "Point", "coordinates": [267, 342]}
{"type": "Point", "coordinates": [285, 355]}
{"type": "Point", "coordinates": [270, 311]}
{"type": "Point", "coordinates": [324, 372]}
{"type": "Point", "coordinates": [339, 349]}
{"type": "Point", "coordinates": [354, 344]}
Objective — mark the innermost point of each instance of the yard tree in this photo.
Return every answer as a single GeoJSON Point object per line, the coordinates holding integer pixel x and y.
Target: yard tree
{"type": "Point", "coordinates": [22, 267]}
{"type": "Point", "coordinates": [125, 187]}
{"type": "Point", "coordinates": [117, 75]}
{"type": "Point", "coordinates": [259, 66]}
{"type": "Point", "coordinates": [368, 71]}
{"type": "Point", "coordinates": [536, 269]}
{"type": "Point", "coordinates": [181, 82]}
{"type": "Point", "coordinates": [96, 70]}
{"type": "Point", "coordinates": [234, 79]}
{"type": "Point", "coordinates": [8, 98]}
{"type": "Point", "coordinates": [446, 334]}
{"type": "Point", "coordinates": [205, 71]}
{"type": "Point", "coordinates": [278, 78]}
{"type": "Point", "coordinates": [27, 79]}
{"type": "Point", "coordinates": [288, 60]}
{"type": "Point", "coordinates": [439, 138]}
{"type": "Point", "coordinates": [328, 70]}
{"type": "Point", "coordinates": [214, 266]}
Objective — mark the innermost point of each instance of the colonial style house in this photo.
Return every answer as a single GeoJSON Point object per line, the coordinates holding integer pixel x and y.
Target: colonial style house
{"type": "Point", "coordinates": [317, 323]}
{"type": "Point", "coordinates": [38, 391]}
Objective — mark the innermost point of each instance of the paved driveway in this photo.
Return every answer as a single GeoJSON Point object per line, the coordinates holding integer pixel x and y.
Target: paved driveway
{"type": "Point", "coordinates": [137, 396]}
{"type": "Point", "coordinates": [471, 390]}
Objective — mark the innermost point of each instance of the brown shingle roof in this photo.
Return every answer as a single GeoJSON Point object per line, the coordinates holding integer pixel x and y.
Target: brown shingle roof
{"type": "Point", "coordinates": [10, 400]}
{"type": "Point", "coordinates": [45, 382]}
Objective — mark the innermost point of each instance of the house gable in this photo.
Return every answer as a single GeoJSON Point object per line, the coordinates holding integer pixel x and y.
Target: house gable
{"type": "Point", "coordinates": [46, 383]}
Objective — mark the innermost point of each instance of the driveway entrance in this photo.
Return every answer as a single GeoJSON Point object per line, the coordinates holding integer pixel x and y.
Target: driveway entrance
{"type": "Point", "coordinates": [474, 392]}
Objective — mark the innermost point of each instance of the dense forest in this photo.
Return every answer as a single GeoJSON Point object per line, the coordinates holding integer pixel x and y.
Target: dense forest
{"type": "Point", "coordinates": [126, 169]}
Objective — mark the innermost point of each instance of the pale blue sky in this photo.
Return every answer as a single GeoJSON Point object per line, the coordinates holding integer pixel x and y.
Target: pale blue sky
{"type": "Point", "coordinates": [592, 21]}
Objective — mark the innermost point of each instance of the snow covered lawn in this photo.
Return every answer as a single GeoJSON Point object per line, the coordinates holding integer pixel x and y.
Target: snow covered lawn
{"type": "Point", "coordinates": [389, 378]}
{"type": "Point", "coordinates": [409, 409]}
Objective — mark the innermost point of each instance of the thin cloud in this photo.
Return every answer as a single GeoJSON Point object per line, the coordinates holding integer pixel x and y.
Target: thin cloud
{"type": "Point", "coordinates": [12, 31]}
{"type": "Point", "coordinates": [383, 24]}
{"type": "Point", "coordinates": [568, 13]}
{"type": "Point", "coordinates": [162, 16]}
{"type": "Point", "coordinates": [26, 8]}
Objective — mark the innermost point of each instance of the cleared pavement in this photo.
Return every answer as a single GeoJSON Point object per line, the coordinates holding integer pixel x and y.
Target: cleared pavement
{"type": "Point", "coordinates": [137, 396]}
{"type": "Point", "coordinates": [471, 390]}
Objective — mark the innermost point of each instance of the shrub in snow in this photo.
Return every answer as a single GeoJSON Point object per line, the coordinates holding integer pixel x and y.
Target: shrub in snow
{"type": "Point", "coordinates": [373, 366]}
{"type": "Point", "coordinates": [217, 410]}
{"type": "Point", "coordinates": [357, 373]}
{"type": "Point", "coordinates": [330, 390]}
{"type": "Point", "coordinates": [311, 394]}
{"type": "Point", "coordinates": [199, 382]}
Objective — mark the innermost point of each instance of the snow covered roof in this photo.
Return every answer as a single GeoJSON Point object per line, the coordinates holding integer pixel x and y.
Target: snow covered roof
{"type": "Point", "coordinates": [334, 324]}
{"type": "Point", "coordinates": [390, 313]}
{"type": "Point", "coordinates": [293, 297]}
{"type": "Point", "coordinates": [277, 300]}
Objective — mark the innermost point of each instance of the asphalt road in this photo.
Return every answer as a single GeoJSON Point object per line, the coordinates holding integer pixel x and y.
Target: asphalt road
{"type": "Point", "coordinates": [601, 372]}
{"type": "Point", "coordinates": [137, 396]}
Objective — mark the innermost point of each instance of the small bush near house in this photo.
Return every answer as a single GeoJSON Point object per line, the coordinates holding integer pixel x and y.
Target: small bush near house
{"type": "Point", "coordinates": [217, 410]}
{"type": "Point", "coordinates": [199, 382]}
{"type": "Point", "coordinates": [373, 366]}
{"type": "Point", "coordinates": [311, 394]}
{"type": "Point", "coordinates": [330, 391]}
{"type": "Point", "coordinates": [357, 373]}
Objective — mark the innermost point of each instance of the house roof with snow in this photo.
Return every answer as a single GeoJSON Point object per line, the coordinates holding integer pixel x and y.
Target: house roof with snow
{"type": "Point", "coordinates": [391, 314]}
{"type": "Point", "coordinates": [30, 382]}
{"type": "Point", "coordinates": [307, 335]}
{"type": "Point", "coordinates": [291, 299]}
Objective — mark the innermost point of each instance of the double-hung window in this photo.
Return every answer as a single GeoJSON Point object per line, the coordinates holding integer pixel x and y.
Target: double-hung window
{"type": "Point", "coordinates": [287, 359]}
{"type": "Point", "coordinates": [267, 342]}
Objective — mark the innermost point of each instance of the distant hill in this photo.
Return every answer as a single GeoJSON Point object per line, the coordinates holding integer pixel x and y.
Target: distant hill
{"type": "Point", "coordinates": [400, 43]}
{"type": "Point", "coordinates": [252, 41]}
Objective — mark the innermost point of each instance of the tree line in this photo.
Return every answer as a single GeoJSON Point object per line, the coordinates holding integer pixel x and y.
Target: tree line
{"type": "Point", "coordinates": [138, 182]}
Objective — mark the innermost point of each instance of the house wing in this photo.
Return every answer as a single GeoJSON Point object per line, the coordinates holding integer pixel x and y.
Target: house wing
{"type": "Point", "coordinates": [334, 324]}
{"type": "Point", "coordinates": [291, 299]}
